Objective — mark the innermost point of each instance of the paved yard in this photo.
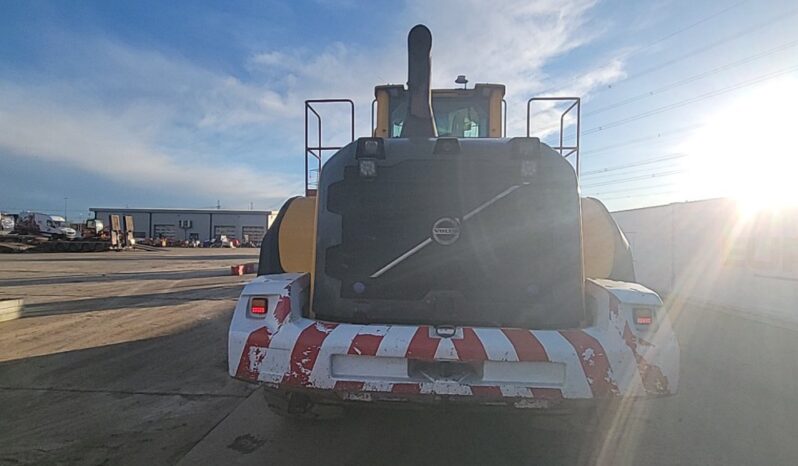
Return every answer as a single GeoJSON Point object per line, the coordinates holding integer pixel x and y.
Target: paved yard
{"type": "Point", "coordinates": [124, 362]}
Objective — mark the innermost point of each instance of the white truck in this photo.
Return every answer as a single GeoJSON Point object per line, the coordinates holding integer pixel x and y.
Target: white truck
{"type": "Point", "coordinates": [7, 223]}
{"type": "Point", "coordinates": [36, 223]}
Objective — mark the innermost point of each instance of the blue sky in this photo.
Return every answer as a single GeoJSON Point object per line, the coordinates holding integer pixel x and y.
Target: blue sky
{"type": "Point", "coordinates": [181, 104]}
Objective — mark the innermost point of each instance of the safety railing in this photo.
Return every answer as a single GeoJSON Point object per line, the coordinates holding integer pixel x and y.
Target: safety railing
{"type": "Point", "coordinates": [317, 151]}
{"type": "Point", "coordinates": [575, 103]}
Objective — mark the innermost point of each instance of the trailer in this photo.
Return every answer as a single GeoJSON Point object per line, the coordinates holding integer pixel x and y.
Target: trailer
{"type": "Point", "coordinates": [11, 243]}
{"type": "Point", "coordinates": [38, 232]}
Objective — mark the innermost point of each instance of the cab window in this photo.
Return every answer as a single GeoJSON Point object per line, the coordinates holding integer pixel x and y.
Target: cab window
{"type": "Point", "coordinates": [455, 116]}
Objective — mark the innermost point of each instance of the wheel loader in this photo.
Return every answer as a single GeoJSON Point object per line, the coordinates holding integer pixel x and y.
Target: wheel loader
{"type": "Point", "coordinates": [438, 263]}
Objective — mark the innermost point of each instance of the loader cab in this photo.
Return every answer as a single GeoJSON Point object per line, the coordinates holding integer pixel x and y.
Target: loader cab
{"type": "Point", "coordinates": [459, 113]}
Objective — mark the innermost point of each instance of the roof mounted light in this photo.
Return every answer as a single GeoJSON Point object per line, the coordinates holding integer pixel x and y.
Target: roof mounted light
{"type": "Point", "coordinates": [446, 146]}
{"type": "Point", "coordinates": [370, 148]}
{"type": "Point", "coordinates": [525, 148]}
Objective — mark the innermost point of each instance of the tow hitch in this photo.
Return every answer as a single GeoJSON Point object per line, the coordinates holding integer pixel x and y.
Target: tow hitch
{"type": "Point", "coordinates": [444, 371]}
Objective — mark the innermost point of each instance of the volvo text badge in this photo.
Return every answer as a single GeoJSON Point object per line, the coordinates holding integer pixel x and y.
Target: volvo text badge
{"type": "Point", "coordinates": [446, 231]}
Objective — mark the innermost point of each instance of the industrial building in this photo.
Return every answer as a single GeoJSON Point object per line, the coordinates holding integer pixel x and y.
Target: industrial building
{"type": "Point", "coordinates": [716, 252]}
{"type": "Point", "coordinates": [192, 224]}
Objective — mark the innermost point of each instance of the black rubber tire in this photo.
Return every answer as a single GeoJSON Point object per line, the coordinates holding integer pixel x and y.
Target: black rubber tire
{"type": "Point", "coordinates": [300, 408]}
{"type": "Point", "coordinates": [269, 262]}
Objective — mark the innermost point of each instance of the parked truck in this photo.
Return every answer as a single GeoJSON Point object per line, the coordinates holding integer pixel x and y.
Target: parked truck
{"type": "Point", "coordinates": [93, 229]}
{"type": "Point", "coordinates": [7, 223]}
{"type": "Point", "coordinates": [39, 232]}
{"type": "Point", "coordinates": [37, 223]}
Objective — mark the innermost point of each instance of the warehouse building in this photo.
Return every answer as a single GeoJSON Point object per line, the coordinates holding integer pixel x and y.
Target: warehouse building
{"type": "Point", "coordinates": [717, 252]}
{"type": "Point", "coordinates": [192, 224]}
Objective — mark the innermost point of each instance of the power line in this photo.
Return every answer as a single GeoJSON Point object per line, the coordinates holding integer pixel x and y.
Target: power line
{"type": "Point", "coordinates": [661, 193]}
{"type": "Point", "coordinates": [698, 51]}
{"type": "Point", "coordinates": [650, 161]}
{"type": "Point", "coordinates": [633, 171]}
{"type": "Point", "coordinates": [634, 178]}
{"type": "Point", "coordinates": [660, 40]}
{"type": "Point", "coordinates": [661, 134]}
{"type": "Point", "coordinates": [696, 77]}
{"type": "Point", "coordinates": [780, 17]}
{"type": "Point", "coordinates": [639, 188]}
{"type": "Point", "coordinates": [691, 26]}
{"type": "Point", "coordinates": [689, 101]}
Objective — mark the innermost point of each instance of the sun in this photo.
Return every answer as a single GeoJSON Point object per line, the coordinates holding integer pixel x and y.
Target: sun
{"type": "Point", "coordinates": [747, 150]}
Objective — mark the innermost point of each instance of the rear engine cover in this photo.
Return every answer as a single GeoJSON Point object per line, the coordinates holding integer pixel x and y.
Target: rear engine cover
{"type": "Point", "coordinates": [468, 232]}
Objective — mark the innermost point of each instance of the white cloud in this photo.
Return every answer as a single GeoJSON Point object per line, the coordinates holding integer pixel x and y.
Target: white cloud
{"type": "Point", "coordinates": [507, 42]}
{"type": "Point", "coordinates": [145, 117]}
{"type": "Point", "coordinates": [546, 116]}
{"type": "Point", "coordinates": [108, 145]}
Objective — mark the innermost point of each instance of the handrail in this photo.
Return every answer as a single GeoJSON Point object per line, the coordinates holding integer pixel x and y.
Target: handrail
{"type": "Point", "coordinates": [318, 150]}
{"type": "Point", "coordinates": [504, 118]}
{"type": "Point", "coordinates": [373, 124]}
{"type": "Point", "coordinates": [577, 103]}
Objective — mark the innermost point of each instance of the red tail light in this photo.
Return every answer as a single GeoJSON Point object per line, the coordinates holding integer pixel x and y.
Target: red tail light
{"type": "Point", "coordinates": [644, 316]}
{"type": "Point", "coordinates": [258, 306]}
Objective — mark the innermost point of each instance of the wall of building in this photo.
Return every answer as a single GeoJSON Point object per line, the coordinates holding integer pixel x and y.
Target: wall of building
{"type": "Point", "coordinates": [715, 252]}
{"type": "Point", "coordinates": [204, 225]}
{"type": "Point", "coordinates": [140, 220]}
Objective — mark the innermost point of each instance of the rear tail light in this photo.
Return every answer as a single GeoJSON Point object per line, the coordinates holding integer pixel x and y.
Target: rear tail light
{"type": "Point", "coordinates": [258, 307]}
{"type": "Point", "coordinates": [643, 316]}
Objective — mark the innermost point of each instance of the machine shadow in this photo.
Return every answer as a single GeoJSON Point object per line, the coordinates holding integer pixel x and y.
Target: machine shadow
{"type": "Point", "coordinates": [381, 436]}
{"type": "Point", "coordinates": [116, 276]}
{"type": "Point", "coordinates": [125, 389]}
{"type": "Point", "coordinates": [145, 401]}
{"type": "Point", "coordinates": [121, 256]}
{"type": "Point", "coordinates": [109, 303]}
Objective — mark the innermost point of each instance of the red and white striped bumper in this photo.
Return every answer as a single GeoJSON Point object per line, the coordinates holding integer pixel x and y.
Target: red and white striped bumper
{"type": "Point", "coordinates": [531, 368]}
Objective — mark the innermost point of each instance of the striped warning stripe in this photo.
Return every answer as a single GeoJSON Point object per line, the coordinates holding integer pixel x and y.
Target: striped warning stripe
{"type": "Point", "coordinates": [306, 352]}
{"type": "Point", "coordinates": [306, 343]}
{"type": "Point", "coordinates": [528, 348]}
{"type": "Point", "coordinates": [422, 347]}
{"type": "Point", "coordinates": [282, 310]}
{"type": "Point", "coordinates": [471, 349]}
{"type": "Point", "coordinates": [594, 362]}
{"type": "Point", "coordinates": [258, 341]}
{"type": "Point", "coordinates": [365, 344]}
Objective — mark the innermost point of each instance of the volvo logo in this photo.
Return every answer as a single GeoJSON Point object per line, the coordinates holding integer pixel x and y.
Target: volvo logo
{"type": "Point", "coordinates": [446, 231]}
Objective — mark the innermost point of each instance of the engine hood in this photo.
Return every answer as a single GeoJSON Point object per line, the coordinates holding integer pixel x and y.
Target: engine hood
{"type": "Point", "coordinates": [448, 231]}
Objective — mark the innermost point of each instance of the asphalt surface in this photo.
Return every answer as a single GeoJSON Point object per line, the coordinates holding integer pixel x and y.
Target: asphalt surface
{"type": "Point", "coordinates": [124, 362]}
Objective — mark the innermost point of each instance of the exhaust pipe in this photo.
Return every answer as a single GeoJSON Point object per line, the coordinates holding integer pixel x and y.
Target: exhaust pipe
{"type": "Point", "coordinates": [419, 121]}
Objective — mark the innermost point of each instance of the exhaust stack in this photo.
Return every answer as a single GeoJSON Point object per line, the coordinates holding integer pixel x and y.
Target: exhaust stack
{"type": "Point", "coordinates": [419, 121]}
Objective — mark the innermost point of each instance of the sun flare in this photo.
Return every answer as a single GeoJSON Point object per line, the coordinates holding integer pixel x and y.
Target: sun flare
{"type": "Point", "coordinates": [747, 150]}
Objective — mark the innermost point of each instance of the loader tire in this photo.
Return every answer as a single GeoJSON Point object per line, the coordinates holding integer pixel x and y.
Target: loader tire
{"type": "Point", "coordinates": [298, 407]}
{"type": "Point", "coordinates": [269, 261]}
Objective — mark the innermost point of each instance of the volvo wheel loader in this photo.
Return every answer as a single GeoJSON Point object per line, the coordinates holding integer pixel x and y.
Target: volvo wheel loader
{"type": "Point", "coordinates": [438, 263]}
